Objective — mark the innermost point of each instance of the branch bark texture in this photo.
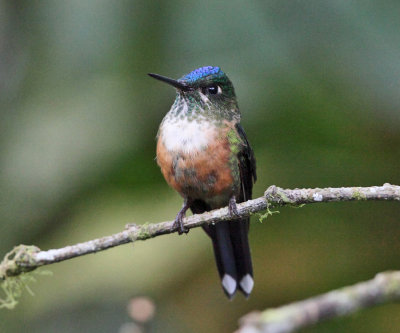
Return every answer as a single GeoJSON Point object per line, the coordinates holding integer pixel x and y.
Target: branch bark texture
{"type": "Point", "coordinates": [26, 258]}
{"type": "Point", "coordinates": [384, 288]}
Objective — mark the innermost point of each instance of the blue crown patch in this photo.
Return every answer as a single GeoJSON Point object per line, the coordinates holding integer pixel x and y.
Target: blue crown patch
{"type": "Point", "coordinates": [200, 73]}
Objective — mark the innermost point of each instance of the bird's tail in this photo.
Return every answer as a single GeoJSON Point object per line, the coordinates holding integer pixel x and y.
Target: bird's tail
{"type": "Point", "coordinates": [232, 255]}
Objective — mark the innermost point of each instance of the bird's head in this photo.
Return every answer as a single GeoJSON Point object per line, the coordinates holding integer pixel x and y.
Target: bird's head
{"type": "Point", "coordinates": [207, 89]}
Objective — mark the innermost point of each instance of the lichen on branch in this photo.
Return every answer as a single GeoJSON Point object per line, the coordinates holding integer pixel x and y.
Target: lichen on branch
{"type": "Point", "coordinates": [23, 259]}
{"type": "Point", "coordinates": [384, 288]}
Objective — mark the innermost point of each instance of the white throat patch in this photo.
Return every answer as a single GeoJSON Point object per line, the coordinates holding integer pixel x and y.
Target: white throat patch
{"type": "Point", "coordinates": [184, 135]}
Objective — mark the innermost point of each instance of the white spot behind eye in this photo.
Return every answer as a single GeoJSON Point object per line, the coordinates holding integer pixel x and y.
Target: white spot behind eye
{"type": "Point", "coordinates": [204, 98]}
{"type": "Point", "coordinates": [219, 91]}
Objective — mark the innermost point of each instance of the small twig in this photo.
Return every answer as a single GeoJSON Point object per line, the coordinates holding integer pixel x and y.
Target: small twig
{"type": "Point", "coordinates": [26, 258]}
{"type": "Point", "coordinates": [384, 288]}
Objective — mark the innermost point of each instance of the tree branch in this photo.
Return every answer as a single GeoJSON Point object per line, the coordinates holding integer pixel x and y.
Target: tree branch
{"type": "Point", "coordinates": [26, 258]}
{"type": "Point", "coordinates": [384, 288]}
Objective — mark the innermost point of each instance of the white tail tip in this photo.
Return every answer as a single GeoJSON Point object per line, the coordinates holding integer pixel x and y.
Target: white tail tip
{"type": "Point", "coordinates": [229, 284]}
{"type": "Point", "coordinates": [247, 283]}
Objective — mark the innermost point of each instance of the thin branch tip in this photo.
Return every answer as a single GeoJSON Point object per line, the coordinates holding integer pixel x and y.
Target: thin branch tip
{"type": "Point", "coordinates": [383, 288]}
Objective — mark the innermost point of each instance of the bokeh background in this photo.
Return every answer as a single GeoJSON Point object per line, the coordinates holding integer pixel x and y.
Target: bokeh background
{"type": "Point", "coordinates": [318, 86]}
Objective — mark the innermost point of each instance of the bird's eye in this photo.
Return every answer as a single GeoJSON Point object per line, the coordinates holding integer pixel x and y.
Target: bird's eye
{"type": "Point", "coordinates": [213, 89]}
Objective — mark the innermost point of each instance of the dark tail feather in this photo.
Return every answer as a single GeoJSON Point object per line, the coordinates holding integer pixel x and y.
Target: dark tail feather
{"type": "Point", "coordinates": [224, 256]}
{"type": "Point", "coordinates": [239, 238]}
{"type": "Point", "coordinates": [231, 251]}
{"type": "Point", "coordinates": [232, 255]}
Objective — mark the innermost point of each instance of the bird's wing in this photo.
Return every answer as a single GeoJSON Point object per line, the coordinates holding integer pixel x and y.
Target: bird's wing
{"type": "Point", "coordinates": [247, 165]}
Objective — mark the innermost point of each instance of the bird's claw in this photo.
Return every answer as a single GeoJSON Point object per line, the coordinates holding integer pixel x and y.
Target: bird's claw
{"type": "Point", "coordinates": [178, 224]}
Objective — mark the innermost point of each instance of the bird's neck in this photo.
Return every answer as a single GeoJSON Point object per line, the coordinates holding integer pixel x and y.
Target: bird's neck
{"type": "Point", "coordinates": [199, 108]}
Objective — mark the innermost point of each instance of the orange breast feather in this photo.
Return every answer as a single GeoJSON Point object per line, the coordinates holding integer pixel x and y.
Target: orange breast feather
{"type": "Point", "coordinates": [201, 174]}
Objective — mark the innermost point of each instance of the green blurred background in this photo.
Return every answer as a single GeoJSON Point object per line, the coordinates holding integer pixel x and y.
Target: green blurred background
{"type": "Point", "coordinates": [318, 86]}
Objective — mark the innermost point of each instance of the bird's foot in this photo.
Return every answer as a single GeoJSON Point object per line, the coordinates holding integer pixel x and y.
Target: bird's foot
{"type": "Point", "coordinates": [232, 207]}
{"type": "Point", "coordinates": [178, 223]}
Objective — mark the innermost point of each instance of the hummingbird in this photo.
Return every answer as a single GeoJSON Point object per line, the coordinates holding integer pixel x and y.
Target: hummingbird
{"type": "Point", "coordinates": [204, 154]}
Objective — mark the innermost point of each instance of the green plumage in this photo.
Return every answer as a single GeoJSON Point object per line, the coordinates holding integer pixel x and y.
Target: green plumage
{"type": "Point", "coordinates": [204, 154]}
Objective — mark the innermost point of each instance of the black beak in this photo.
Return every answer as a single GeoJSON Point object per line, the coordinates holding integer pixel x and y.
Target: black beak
{"type": "Point", "coordinates": [172, 82]}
